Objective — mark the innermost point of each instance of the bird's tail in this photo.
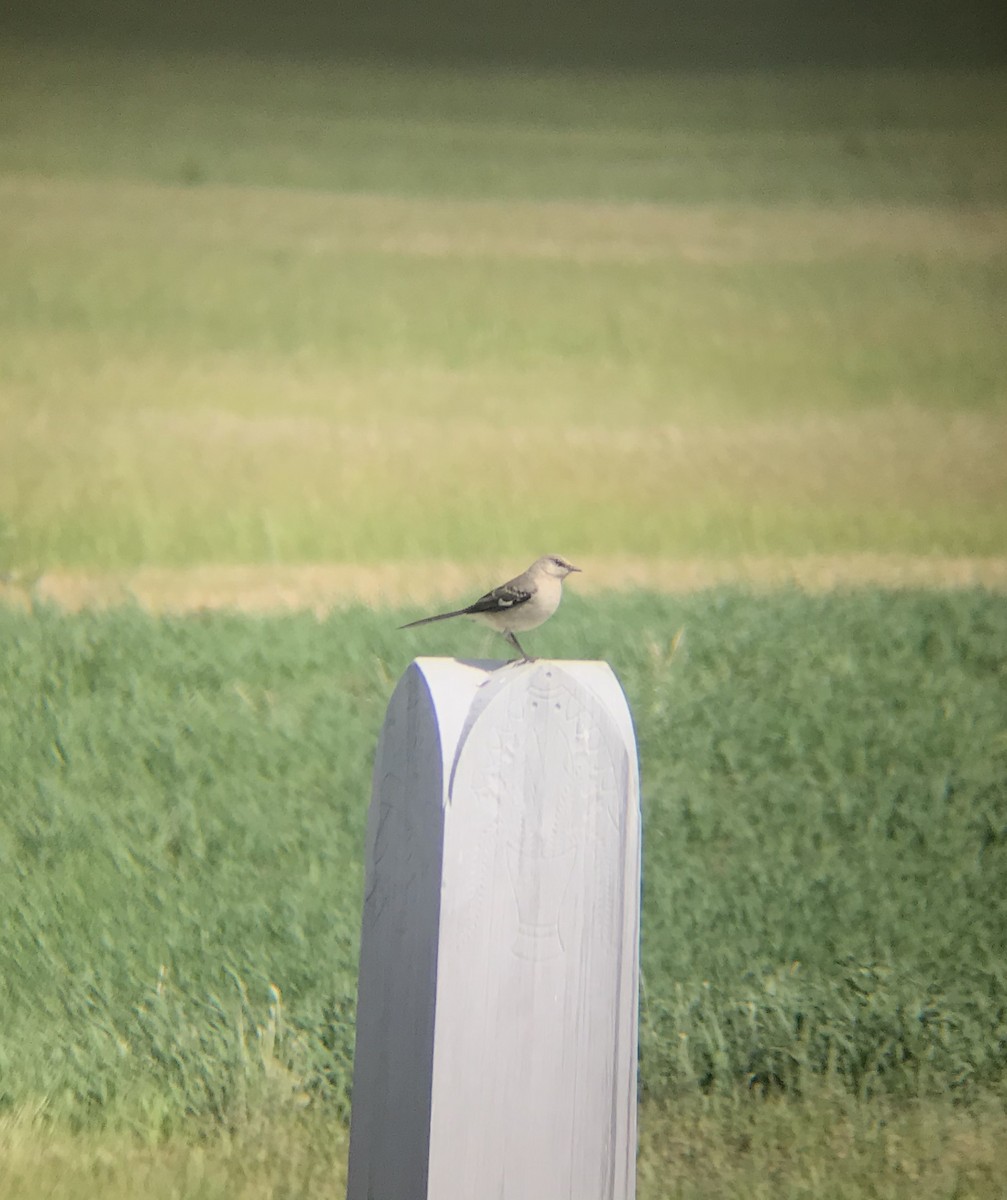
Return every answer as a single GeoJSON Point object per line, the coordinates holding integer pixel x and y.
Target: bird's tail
{"type": "Point", "coordinates": [440, 617]}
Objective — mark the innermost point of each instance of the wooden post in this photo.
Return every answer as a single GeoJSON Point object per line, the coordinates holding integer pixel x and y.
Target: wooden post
{"type": "Point", "coordinates": [497, 1003]}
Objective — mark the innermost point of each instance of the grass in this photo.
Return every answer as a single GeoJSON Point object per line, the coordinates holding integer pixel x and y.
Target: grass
{"type": "Point", "coordinates": [829, 1149]}
{"type": "Point", "coordinates": [770, 137]}
{"type": "Point", "coordinates": [277, 309]}
{"type": "Point", "coordinates": [274, 1154]}
{"type": "Point", "coordinates": [183, 803]}
{"type": "Point", "coordinates": [260, 310]}
{"type": "Point", "coordinates": [730, 34]}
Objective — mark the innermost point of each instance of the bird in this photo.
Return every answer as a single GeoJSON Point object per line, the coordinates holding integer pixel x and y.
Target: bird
{"type": "Point", "coordinates": [521, 603]}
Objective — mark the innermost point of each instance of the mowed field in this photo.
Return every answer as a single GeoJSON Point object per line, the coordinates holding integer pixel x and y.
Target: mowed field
{"type": "Point", "coordinates": [256, 311]}
{"type": "Point", "coordinates": [276, 334]}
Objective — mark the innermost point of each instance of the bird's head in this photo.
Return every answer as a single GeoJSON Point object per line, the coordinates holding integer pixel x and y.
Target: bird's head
{"type": "Point", "coordinates": [553, 565]}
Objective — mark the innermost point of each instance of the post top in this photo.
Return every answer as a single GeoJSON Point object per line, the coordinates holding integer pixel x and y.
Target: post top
{"type": "Point", "coordinates": [466, 673]}
{"type": "Point", "coordinates": [490, 665]}
{"type": "Point", "coordinates": [459, 691]}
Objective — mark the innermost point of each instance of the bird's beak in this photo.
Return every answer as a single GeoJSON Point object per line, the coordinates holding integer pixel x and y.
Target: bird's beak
{"type": "Point", "coordinates": [573, 568]}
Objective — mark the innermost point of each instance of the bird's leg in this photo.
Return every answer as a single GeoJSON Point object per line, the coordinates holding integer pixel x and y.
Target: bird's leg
{"type": "Point", "coordinates": [517, 646]}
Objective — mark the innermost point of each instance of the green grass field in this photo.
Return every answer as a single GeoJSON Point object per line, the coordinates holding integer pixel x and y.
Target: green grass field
{"type": "Point", "coordinates": [265, 311]}
{"type": "Point", "coordinates": [824, 902]}
{"type": "Point", "coordinates": [256, 310]}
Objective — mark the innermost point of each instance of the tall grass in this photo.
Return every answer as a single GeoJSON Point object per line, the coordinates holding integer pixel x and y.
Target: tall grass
{"type": "Point", "coordinates": [182, 821]}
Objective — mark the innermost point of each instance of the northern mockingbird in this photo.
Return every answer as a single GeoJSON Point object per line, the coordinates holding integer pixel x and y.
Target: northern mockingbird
{"type": "Point", "coordinates": [519, 604]}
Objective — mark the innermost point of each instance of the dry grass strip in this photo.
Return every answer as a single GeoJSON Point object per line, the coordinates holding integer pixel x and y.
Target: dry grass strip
{"type": "Point", "coordinates": [321, 587]}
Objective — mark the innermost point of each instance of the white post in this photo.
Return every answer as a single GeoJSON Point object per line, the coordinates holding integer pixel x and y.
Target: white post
{"type": "Point", "coordinates": [497, 1004]}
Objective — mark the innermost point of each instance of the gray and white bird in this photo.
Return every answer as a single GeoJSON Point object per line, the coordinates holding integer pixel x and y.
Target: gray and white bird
{"type": "Point", "coordinates": [519, 604]}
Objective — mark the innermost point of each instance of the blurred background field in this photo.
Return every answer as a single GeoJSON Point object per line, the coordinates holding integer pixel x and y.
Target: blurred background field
{"type": "Point", "coordinates": [262, 310]}
{"type": "Point", "coordinates": [382, 300]}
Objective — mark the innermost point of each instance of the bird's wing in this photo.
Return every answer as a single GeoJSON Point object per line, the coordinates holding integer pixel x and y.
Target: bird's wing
{"type": "Point", "coordinates": [505, 598]}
